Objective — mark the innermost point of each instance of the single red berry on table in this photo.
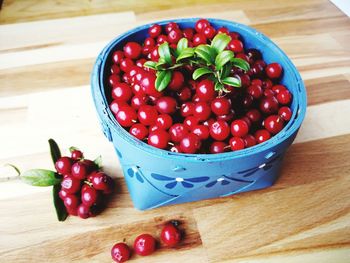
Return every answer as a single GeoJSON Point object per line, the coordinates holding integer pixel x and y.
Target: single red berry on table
{"type": "Point", "coordinates": [120, 252]}
{"type": "Point", "coordinates": [218, 147]}
{"type": "Point", "coordinates": [262, 135]}
{"type": "Point", "coordinates": [274, 70]}
{"type": "Point", "coordinates": [63, 165]}
{"type": "Point", "coordinates": [274, 124]}
{"type": "Point", "coordinates": [158, 139]}
{"type": "Point", "coordinates": [170, 235]}
{"type": "Point", "coordinates": [139, 130]}
{"type": "Point", "coordinates": [219, 130]}
{"type": "Point", "coordinates": [70, 184]}
{"type": "Point", "coordinates": [147, 115]}
{"type": "Point", "coordinates": [177, 132]}
{"type": "Point", "coordinates": [239, 128]}
{"type": "Point", "coordinates": [144, 245]}
{"type": "Point", "coordinates": [155, 30]}
{"type": "Point", "coordinates": [285, 113]}
{"type": "Point", "coordinates": [79, 170]}
{"type": "Point", "coordinates": [190, 143]}
{"type": "Point", "coordinates": [237, 143]}
{"type": "Point", "coordinates": [126, 116]}
{"type": "Point", "coordinates": [166, 105]}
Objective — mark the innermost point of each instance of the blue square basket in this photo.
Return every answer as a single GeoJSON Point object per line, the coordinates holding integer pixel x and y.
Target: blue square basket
{"type": "Point", "coordinates": [157, 177]}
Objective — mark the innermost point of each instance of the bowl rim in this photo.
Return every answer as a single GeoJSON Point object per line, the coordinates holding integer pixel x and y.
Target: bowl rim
{"type": "Point", "coordinates": [98, 91]}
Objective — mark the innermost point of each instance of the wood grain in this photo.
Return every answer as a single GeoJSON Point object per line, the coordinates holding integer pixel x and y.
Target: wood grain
{"type": "Point", "coordinates": [47, 51]}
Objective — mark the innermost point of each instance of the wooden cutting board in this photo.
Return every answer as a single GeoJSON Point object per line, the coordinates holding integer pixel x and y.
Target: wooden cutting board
{"type": "Point", "coordinates": [47, 50]}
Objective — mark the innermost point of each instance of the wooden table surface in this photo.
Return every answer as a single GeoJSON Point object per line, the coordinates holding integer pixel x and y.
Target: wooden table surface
{"type": "Point", "coordinates": [47, 49]}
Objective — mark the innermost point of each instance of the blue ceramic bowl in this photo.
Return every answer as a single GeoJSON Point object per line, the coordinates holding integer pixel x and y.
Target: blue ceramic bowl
{"type": "Point", "coordinates": [157, 177]}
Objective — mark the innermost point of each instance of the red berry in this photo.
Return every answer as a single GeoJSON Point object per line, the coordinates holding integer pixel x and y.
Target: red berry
{"type": "Point", "coordinates": [239, 128]}
{"type": "Point", "coordinates": [257, 82]}
{"type": "Point", "coordinates": [201, 131]}
{"type": "Point", "coordinates": [113, 80]}
{"type": "Point", "coordinates": [100, 181]}
{"type": "Point", "coordinates": [269, 93]}
{"type": "Point", "coordinates": [132, 50]}
{"type": "Point", "coordinates": [146, 50]}
{"type": "Point", "coordinates": [254, 54]}
{"type": "Point", "coordinates": [219, 130]}
{"type": "Point", "coordinates": [223, 30]}
{"type": "Point", "coordinates": [285, 113]}
{"type": "Point", "coordinates": [184, 94]}
{"type": "Point", "coordinates": [190, 122]}
{"type": "Point", "coordinates": [269, 105]}
{"type": "Point", "coordinates": [79, 170]}
{"type": "Point", "coordinates": [63, 165]}
{"type": "Point", "coordinates": [284, 97]}
{"type": "Point", "coordinates": [148, 85]}
{"type": "Point", "coordinates": [90, 165]}
{"type": "Point", "coordinates": [255, 91]}
{"type": "Point", "coordinates": [262, 136]}
{"type": "Point", "coordinates": [220, 106]}
{"type": "Point", "coordinates": [249, 140]}
{"type": "Point", "coordinates": [235, 35]}
{"type": "Point", "coordinates": [118, 56]}
{"type": "Point", "coordinates": [84, 211]}
{"type": "Point", "coordinates": [126, 116]}
{"type": "Point", "coordinates": [236, 143]}
{"type": "Point", "coordinates": [149, 42]}
{"type": "Point", "coordinates": [274, 124]}
{"type": "Point", "coordinates": [174, 36]}
{"type": "Point", "coordinates": [71, 201]}
{"type": "Point", "coordinates": [217, 147]}
{"type": "Point", "coordinates": [245, 80]}
{"type": "Point", "coordinates": [162, 39]}
{"type": "Point", "coordinates": [164, 121]}
{"type": "Point", "coordinates": [190, 143]}
{"type": "Point", "coordinates": [144, 245]}
{"type": "Point", "coordinates": [205, 90]}
{"type": "Point", "coordinates": [187, 109]}
{"type": "Point", "coordinates": [115, 69]}
{"type": "Point", "coordinates": [273, 70]}
{"type": "Point", "coordinates": [201, 24]}
{"type": "Point", "coordinates": [70, 184]}
{"type": "Point", "coordinates": [170, 235]}
{"type": "Point", "coordinates": [120, 252]}
{"type": "Point", "coordinates": [88, 195]}
{"type": "Point", "coordinates": [202, 111]}
{"type": "Point", "coordinates": [209, 32]}
{"type": "Point", "coordinates": [139, 131]}
{"type": "Point", "coordinates": [159, 139]}
{"type": "Point", "coordinates": [278, 88]}
{"type": "Point", "coordinates": [147, 115]}
{"type": "Point", "coordinates": [188, 33]}
{"type": "Point", "coordinates": [235, 45]}
{"type": "Point", "coordinates": [62, 194]}
{"type": "Point", "coordinates": [199, 39]}
{"type": "Point", "coordinates": [254, 115]}
{"type": "Point", "coordinates": [154, 54]}
{"type": "Point", "coordinates": [227, 117]}
{"type": "Point", "coordinates": [177, 132]}
{"type": "Point", "coordinates": [177, 80]}
{"type": "Point", "coordinates": [247, 101]}
{"type": "Point", "coordinates": [126, 64]}
{"type": "Point", "coordinates": [138, 100]}
{"type": "Point", "coordinates": [77, 155]}
{"type": "Point", "coordinates": [171, 26]}
{"type": "Point", "coordinates": [155, 30]}
{"type": "Point", "coordinates": [166, 105]}
{"type": "Point", "coordinates": [122, 92]}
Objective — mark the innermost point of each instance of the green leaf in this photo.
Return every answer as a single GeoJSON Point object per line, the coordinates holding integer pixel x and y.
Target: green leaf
{"type": "Point", "coordinates": [226, 71]}
{"type": "Point", "coordinates": [163, 79]}
{"type": "Point", "coordinates": [98, 161]}
{"type": "Point", "coordinates": [200, 72]}
{"type": "Point", "coordinates": [150, 64]}
{"type": "Point", "coordinates": [161, 62]}
{"type": "Point", "coordinates": [231, 81]}
{"type": "Point", "coordinates": [164, 52]}
{"type": "Point", "coordinates": [54, 150]}
{"type": "Point", "coordinates": [218, 86]}
{"type": "Point", "coordinates": [181, 45]}
{"type": "Point", "coordinates": [61, 210]}
{"type": "Point", "coordinates": [220, 42]}
{"type": "Point", "coordinates": [240, 63]}
{"type": "Point", "coordinates": [222, 58]}
{"type": "Point", "coordinates": [40, 177]}
{"type": "Point", "coordinates": [185, 53]}
{"type": "Point", "coordinates": [206, 53]}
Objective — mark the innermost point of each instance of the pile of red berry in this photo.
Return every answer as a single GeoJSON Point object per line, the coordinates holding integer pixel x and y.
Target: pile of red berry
{"type": "Point", "coordinates": [145, 244]}
{"type": "Point", "coordinates": [83, 187]}
{"type": "Point", "coordinates": [192, 116]}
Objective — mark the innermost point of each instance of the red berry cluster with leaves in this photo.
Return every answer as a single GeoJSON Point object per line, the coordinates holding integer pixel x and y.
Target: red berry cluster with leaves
{"type": "Point", "coordinates": [197, 90]}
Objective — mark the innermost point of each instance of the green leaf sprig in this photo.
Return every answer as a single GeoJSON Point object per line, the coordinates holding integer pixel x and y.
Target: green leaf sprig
{"type": "Point", "coordinates": [212, 60]}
